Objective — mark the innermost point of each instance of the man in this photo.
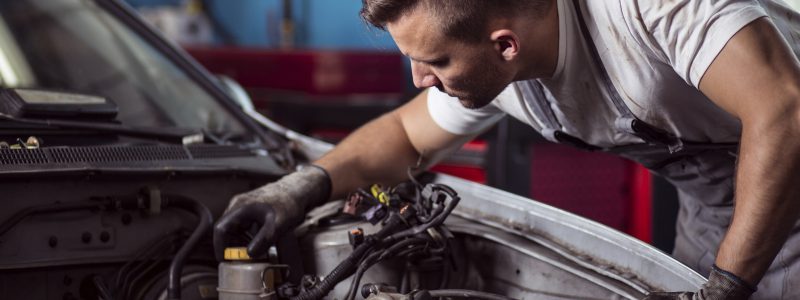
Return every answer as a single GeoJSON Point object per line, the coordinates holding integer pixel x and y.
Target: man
{"type": "Point", "coordinates": [701, 92]}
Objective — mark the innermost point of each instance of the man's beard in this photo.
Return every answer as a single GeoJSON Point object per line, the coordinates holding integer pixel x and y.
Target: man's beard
{"type": "Point", "coordinates": [480, 91]}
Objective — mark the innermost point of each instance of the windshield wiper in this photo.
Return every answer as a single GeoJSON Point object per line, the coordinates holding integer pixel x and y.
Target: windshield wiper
{"type": "Point", "coordinates": [167, 134]}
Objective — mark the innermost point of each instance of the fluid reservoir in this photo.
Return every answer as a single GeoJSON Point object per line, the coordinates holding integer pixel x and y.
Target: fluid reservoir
{"type": "Point", "coordinates": [242, 278]}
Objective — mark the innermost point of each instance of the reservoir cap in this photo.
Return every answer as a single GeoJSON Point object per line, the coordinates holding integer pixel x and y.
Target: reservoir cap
{"type": "Point", "coordinates": [236, 253]}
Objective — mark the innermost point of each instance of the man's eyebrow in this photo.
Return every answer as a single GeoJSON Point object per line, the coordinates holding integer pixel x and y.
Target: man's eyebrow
{"type": "Point", "coordinates": [427, 61]}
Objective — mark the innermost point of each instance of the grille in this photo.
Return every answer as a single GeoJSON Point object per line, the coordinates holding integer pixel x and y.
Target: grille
{"type": "Point", "coordinates": [105, 154]}
{"type": "Point", "coordinates": [213, 151]}
{"type": "Point", "coordinates": [22, 157]}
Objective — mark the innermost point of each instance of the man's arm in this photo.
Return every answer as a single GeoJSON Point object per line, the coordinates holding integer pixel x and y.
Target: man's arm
{"type": "Point", "coordinates": [756, 78]}
{"type": "Point", "coordinates": [379, 152]}
{"type": "Point", "coordinates": [382, 150]}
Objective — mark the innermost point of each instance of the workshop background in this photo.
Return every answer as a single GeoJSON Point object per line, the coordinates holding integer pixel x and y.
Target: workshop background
{"type": "Point", "coordinates": [314, 66]}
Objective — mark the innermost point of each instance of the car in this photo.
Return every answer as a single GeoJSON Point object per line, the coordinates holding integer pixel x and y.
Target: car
{"type": "Point", "coordinates": [117, 152]}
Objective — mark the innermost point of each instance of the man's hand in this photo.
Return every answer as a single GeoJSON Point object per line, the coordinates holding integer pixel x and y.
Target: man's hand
{"type": "Point", "coordinates": [721, 285]}
{"type": "Point", "coordinates": [273, 208]}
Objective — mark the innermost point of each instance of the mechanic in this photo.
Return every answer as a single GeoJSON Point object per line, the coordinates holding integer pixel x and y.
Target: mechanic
{"type": "Point", "coordinates": [700, 92]}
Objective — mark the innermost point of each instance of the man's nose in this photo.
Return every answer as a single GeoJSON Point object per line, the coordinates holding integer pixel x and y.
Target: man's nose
{"type": "Point", "coordinates": [423, 77]}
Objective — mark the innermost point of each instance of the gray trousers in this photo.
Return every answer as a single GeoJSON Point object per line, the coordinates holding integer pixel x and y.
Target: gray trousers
{"type": "Point", "coordinates": [705, 182]}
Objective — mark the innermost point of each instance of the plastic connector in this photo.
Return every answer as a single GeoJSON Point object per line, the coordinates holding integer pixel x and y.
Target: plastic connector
{"type": "Point", "coordinates": [356, 237]}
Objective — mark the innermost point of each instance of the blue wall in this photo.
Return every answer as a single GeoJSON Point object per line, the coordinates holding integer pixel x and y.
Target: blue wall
{"type": "Point", "coordinates": [320, 24]}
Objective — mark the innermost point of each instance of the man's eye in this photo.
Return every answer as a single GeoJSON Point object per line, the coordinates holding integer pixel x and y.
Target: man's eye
{"type": "Point", "coordinates": [439, 63]}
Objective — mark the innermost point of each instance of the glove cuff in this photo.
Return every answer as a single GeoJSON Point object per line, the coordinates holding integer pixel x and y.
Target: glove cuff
{"type": "Point", "coordinates": [728, 284]}
{"type": "Point", "coordinates": [323, 181]}
{"type": "Point", "coordinates": [309, 186]}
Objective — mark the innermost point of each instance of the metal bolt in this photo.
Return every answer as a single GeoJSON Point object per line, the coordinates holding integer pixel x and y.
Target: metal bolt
{"type": "Point", "coordinates": [105, 236]}
{"type": "Point", "coordinates": [52, 241]}
{"type": "Point", "coordinates": [32, 142]}
{"type": "Point", "coordinates": [86, 237]}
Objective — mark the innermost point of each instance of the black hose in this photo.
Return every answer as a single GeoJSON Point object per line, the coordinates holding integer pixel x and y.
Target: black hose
{"type": "Point", "coordinates": [436, 221]}
{"type": "Point", "coordinates": [348, 266]}
{"type": "Point", "coordinates": [374, 258]}
{"type": "Point", "coordinates": [342, 271]}
{"type": "Point", "coordinates": [203, 226]}
{"type": "Point", "coordinates": [365, 264]}
{"type": "Point", "coordinates": [453, 293]}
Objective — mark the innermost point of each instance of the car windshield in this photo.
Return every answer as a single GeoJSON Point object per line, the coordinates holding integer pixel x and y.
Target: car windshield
{"type": "Point", "coordinates": [77, 46]}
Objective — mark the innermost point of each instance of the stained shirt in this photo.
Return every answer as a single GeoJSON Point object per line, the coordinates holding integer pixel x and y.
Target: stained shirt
{"type": "Point", "coordinates": [655, 52]}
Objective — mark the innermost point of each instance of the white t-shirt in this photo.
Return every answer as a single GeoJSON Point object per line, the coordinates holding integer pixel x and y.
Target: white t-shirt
{"type": "Point", "coordinates": [655, 53]}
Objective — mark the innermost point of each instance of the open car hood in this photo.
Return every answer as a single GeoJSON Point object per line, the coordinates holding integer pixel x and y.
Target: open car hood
{"type": "Point", "coordinates": [573, 256]}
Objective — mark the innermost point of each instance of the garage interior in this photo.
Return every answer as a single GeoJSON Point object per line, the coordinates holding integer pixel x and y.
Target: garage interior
{"type": "Point", "coordinates": [317, 69]}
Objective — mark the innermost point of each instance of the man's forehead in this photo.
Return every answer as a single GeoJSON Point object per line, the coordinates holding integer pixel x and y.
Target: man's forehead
{"type": "Point", "coordinates": [417, 35]}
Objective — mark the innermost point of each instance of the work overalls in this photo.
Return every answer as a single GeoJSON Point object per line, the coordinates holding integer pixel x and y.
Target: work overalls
{"type": "Point", "coordinates": [703, 174]}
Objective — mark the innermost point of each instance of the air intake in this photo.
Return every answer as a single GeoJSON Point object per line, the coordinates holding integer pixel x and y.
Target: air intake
{"type": "Point", "coordinates": [105, 154]}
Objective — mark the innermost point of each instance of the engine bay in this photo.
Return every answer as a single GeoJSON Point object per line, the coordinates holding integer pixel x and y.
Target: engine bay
{"type": "Point", "coordinates": [113, 232]}
{"type": "Point", "coordinates": [100, 225]}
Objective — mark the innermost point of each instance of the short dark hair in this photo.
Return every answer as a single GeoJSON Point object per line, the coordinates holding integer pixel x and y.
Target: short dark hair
{"type": "Point", "coordinates": [460, 19]}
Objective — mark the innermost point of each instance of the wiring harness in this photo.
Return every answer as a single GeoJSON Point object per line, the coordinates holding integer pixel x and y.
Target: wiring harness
{"type": "Point", "coordinates": [412, 229]}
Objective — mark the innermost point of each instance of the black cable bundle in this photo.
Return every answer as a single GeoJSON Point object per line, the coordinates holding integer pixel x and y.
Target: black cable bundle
{"type": "Point", "coordinates": [405, 233]}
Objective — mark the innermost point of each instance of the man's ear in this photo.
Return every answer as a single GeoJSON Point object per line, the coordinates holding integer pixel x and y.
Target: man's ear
{"type": "Point", "coordinates": [506, 43]}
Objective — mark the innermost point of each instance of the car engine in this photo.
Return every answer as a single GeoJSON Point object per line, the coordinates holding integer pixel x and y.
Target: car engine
{"type": "Point", "coordinates": [131, 230]}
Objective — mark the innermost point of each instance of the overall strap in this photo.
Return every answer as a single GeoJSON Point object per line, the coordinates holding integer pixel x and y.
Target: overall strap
{"type": "Point", "coordinates": [627, 122]}
{"type": "Point", "coordinates": [540, 107]}
{"type": "Point", "coordinates": [551, 129]}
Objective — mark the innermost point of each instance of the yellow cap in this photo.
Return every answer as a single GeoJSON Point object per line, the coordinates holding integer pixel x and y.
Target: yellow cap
{"type": "Point", "coordinates": [236, 253]}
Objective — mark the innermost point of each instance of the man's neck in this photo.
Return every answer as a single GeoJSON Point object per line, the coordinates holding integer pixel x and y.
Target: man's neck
{"type": "Point", "coordinates": [540, 49]}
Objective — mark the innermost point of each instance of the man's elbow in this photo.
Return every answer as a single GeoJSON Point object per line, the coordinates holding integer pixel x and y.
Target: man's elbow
{"type": "Point", "coordinates": [777, 116]}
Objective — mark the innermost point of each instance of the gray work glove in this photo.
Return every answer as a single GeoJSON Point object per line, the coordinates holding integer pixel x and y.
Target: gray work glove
{"type": "Point", "coordinates": [721, 285]}
{"type": "Point", "coordinates": [274, 208]}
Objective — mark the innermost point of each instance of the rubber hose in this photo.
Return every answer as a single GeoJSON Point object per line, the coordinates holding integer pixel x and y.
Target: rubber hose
{"type": "Point", "coordinates": [348, 266]}
{"type": "Point", "coordinates": [204, 225]}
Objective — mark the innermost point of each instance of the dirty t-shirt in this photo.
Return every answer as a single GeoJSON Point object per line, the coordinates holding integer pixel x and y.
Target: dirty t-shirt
{"type": "Point", "coordinates": [655, 53]}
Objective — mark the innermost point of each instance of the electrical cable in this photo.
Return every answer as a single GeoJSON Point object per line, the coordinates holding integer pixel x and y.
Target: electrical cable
{"type": "Point", "coordinates": [349, 265]}
{"type": "Point", "coordinates": [353, 289]}
{"type": "Point", "coordinates": [145, 273]}
{"type": "Point", "coordinates": [445, 275]}
{"type": "Point", "coordinates": [146, 252]}
{"type": "Point", "coordinates": [374, 258]}
{"type": "Point", "coordinates": [399, 232]}
{"type": "Point", "coordinates": [362, 268]}
{"type": "Point", "coordinates": [102, 289]}
{"type": "Point", "coordinates": [436, 221]}
{"type": "Point", "coordinates": [153, 253]}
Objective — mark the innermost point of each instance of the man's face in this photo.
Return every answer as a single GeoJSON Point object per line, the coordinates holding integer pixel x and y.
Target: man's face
{"type": "Point", "coordinates": [473, 73]}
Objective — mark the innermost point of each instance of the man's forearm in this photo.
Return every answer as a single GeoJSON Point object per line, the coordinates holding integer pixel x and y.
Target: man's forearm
{"type": "Point", "coordinates": [384, 149]}
{"type": "Point", "coordinates": [378, 152]}
{"type": "Point", "coordinates": [767, 196]}
{"type": "Point", "coordinates": [755, 78]}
